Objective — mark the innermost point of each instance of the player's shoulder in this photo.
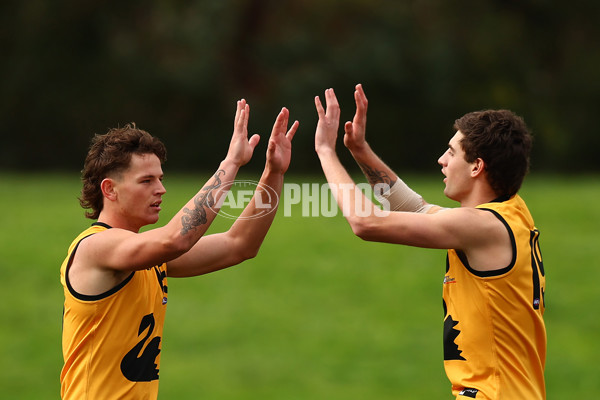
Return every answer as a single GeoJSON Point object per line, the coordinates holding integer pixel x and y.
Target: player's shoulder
{"type": "Point", "coordinates": [457, 212]}
{"type": "Point", "coordinates": [112, 232]}
{"type": "Point", "coordinates": [103, 240]}
{"type": "Point", "coordinates": [470, 218]}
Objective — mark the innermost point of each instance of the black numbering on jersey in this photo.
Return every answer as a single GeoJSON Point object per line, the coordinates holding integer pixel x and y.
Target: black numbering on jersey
{"type": "Point", "coordinates": [537, 266]}
{"type": "Point", "coordinates": [142, 367]}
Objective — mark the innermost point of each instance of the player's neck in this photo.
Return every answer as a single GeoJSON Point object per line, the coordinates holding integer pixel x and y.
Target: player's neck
{"type": "Point", "coordinates": [116, 220]}
{"type": "Point", "coordinates": [480, 194]}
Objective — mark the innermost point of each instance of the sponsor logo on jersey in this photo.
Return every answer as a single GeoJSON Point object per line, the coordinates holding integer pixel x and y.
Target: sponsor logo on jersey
{"type": "Point", "coordinates": [448, 279]}
{"type": "Point", "coordinates": [469, 392]}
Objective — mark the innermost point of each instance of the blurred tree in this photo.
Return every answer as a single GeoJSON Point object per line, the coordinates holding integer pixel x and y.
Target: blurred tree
{"type": "Point", "coordinates": [72, 69]}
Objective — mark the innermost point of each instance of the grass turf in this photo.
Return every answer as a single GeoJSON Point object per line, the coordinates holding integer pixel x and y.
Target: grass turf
{"type": "Point", "coordinates": [319, 314]}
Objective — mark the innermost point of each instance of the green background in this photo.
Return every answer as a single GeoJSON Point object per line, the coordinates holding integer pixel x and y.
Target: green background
{"type": "Point", "coordinates": [318, 314]}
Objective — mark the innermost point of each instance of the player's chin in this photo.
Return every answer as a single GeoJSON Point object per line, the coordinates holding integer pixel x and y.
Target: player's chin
{"type": "Point", "coordinates": [153, 217]}
{"type": "Point", "coordinates": [448, 193]}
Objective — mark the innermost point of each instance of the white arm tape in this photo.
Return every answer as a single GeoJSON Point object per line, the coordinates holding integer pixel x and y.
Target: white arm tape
{"type": "Point", "coordinates": [400, 197]}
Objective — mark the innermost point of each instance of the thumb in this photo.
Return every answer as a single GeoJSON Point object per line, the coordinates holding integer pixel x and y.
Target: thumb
{"type": "Point", "coordinates": [253, 141]}
{"type": "Point", "coordinates": [348, 128]}
{"type": "Point", "coordinates": [271, 148]}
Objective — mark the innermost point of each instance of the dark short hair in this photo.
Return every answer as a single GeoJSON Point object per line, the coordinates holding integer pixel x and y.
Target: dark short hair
{"type": "Point", "coordinates": [110, 154]}
{"type": "Point", "coordinates": [503, 141]}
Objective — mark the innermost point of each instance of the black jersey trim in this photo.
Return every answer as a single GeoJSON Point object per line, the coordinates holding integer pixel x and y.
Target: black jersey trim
{"type": "Point", "coordinates": [494, 272]}
{"type": "Point", "coordinates": [102, 224]}
{"type": "Point", "coordinates": [501, 199]}
{"type": "Point", "coordinates": [86, 297]}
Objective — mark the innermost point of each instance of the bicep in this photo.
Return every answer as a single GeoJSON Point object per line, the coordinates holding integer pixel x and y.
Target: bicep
{"type": "Point", "coordinates": [447, 229]}
{"type": "Point", "coordinates": [123, 250]}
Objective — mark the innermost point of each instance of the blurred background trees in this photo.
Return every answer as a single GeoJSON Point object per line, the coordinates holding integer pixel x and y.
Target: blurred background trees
{"type": "Point", "coordinates": [71, 69]}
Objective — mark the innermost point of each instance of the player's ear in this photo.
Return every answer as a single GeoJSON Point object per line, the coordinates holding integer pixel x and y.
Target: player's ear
{"type": "Point", "coordinates": [477, 167]}
{"type": "Point", "coordinates": [108, 188]}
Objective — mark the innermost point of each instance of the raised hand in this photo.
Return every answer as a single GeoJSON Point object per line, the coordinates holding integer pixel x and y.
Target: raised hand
{"type": "Point", "coordinates": [329, 121]}
{"type": "Point", "coordinates": [279, 150]}
{"type": "Point", "coordinates": [354, 139]}
{"type": "Point", "coordinates": [241, 148]}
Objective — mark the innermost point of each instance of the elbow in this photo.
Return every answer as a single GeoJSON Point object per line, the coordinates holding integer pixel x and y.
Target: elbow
{"type": "Point", "coordinates": [175, 246]}
{"type": "Point", "coordinates": [241, 256]}
{"type": "Point", "coordinates": [243, 250]}
{"type": "Point", "coordinates": [364, 227]}
{"type": "Point", "coordinates": [249, 254]}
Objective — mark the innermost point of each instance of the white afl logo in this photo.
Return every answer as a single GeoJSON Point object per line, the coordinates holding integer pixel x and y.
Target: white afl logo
{"type": "Point", "coordinates": [240, 194]}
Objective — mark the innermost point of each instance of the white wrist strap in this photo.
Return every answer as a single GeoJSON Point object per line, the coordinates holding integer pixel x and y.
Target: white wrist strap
{"type": "Point", "coordinates": [400, 197]}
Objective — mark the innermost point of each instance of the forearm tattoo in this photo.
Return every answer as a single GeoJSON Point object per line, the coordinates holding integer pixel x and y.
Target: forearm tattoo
{"type": "Point", "coordinates": [375, 176]}
{"type": "Point", "coordinates": [204, 200]}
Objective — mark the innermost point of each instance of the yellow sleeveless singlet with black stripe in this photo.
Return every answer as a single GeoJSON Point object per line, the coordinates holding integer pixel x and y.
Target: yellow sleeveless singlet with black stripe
{"type": "Point", "coordinates": [111, 342]}
{"type": "Point", "coordinates": [494, 332]}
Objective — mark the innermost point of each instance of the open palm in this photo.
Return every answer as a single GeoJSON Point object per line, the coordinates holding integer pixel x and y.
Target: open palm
{"type": "Point", "coordinates": [279, 151]}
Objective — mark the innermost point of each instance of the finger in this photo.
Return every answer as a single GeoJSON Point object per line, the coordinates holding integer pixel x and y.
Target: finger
{"type": "Point", "coordinates": [237, 115]}
{"type": "Point", "coordinates": [333, 108]}
{"type": "Point", "coordinates": [292, 132]}
{"type": "Point", "coordinates": [361, 106]}
{"type": "Point", "coordinates": [320, 109]}
{"type": "Point", "coordinates": [360, 97]}
{"type": "Point", "coordinates": [239, 121]}
{"type": "Point", "coordinates": [330, 97]}
{"type": "Point", "coordinates": [239, 107]}
{"type": "Point", "coordinates": [359, 88]}
{"type": "Point", "coordinates": [285, 116]}
{"type": "Point", "coordinates": [280, 122]}
{"type": "Point", "coordinates": [245, 117]}
{"type": "Point", "coordinates": [241, 127]}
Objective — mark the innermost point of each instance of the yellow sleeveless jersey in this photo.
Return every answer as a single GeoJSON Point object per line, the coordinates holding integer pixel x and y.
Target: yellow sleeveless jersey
{"type": "Point", "coordinates": [494, 332]}
{"type": "Point", "coordinates": [111, 342]}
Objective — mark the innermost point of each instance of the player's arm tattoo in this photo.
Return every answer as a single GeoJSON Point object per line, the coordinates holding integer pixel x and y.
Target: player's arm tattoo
{"type": "Point", "coordinates": [375, 176]}
{"type": "Point", "coordinates": [204, 200]}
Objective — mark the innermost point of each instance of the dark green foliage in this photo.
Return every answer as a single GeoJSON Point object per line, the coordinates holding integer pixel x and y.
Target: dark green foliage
{"type": "Point", "coordinates": [71, 69]}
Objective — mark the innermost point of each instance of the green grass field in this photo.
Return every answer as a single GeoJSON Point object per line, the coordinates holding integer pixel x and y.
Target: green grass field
{"type": "Point", "coordinates": [319, 314]}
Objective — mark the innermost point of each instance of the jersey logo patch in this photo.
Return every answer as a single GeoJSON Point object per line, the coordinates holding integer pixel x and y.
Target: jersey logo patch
{"type": "Point", "coordinates": [469, 392]}
{"type": "Point", "coordinates": [142, 367]}
{"type": "Point", "coordinates": [448, 280]}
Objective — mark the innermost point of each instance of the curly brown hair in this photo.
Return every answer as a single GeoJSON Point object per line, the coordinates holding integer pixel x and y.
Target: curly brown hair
{"type": "Point", "coordinates": [503, 141]}
{"type": "Point", "coordinates": [110, 154]}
